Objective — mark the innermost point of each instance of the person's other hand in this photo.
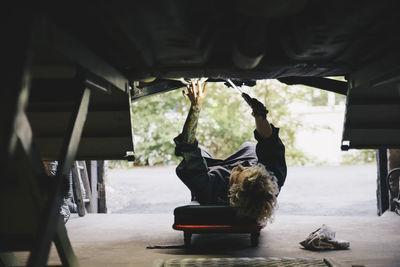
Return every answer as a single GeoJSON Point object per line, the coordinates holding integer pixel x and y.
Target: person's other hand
{"type": "Point", "coordinates": [196, 94]}
{"type": "Point", "coordinates": [259, 110]}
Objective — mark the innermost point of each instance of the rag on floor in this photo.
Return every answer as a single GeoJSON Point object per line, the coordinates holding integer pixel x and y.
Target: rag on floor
{"type": "Point", "coordinates": [324, 239]}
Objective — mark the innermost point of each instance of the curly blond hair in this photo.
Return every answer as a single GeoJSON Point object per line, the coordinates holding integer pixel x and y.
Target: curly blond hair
{"type": "Point", "coordinates": [255, 197]}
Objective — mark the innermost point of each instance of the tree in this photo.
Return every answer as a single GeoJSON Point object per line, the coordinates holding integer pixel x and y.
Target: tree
{"type": "Point", "coordinates": [155, 122]}
{"type": "Point", "coordinates": [225, 121]}
{"type": "Point", "coordinates": [360, 156]}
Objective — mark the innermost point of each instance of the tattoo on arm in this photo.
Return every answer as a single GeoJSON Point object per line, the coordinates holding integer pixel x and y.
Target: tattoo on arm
{"type": "Point", "coordinates": [189, 129]}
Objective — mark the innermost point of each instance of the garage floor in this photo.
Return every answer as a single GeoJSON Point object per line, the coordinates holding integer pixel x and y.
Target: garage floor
{"type": "Point", "coordinates": [121, 240]}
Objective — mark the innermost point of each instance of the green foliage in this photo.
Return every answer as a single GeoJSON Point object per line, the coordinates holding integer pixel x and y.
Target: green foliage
{"type": "Point", "coordinates": [362, 156]}
{"type": "Point", "coordinates": [319, 98]}
{"type": "Point", "coordinates": [225, 121]}
{"type": "Point", "coordinates": [156, 121]}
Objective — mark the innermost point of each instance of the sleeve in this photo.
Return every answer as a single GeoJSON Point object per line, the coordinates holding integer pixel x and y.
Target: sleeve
{"type": "Point", "coordinates": [271, 153]}
{"type": "Point", "coordinates": [191, 153]}
{"type": "Point", "coordinates": [195, 174]}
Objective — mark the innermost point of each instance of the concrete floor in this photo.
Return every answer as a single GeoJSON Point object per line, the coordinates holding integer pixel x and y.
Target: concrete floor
{"type": "Point", "coordinates": [343, 197]}
{"type": "Point", "coordinates": [121, 240]}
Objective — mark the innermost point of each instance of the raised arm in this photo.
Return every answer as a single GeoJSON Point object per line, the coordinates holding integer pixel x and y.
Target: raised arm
{"type": "Point", "coordinates": [196, 95]}
{"type": "Point", "coordinates": [193, 170]}
{"type": "Point", "coordinates": [260, 116]}
{"type": "Point", "coordinates": [270, 149]}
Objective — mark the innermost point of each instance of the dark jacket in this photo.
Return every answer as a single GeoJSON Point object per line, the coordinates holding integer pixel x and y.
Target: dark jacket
{"type": "Point", "coordinates": [208, 178]}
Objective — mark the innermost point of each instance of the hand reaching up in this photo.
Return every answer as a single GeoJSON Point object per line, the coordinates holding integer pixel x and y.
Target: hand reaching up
{"type": "Point", "coordinates": [196, 94]}
{"type": "Point", "coordinates": [259, 110]}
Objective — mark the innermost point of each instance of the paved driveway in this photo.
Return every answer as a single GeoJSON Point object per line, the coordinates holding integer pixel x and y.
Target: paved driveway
{"type": "Point", "coordinates": [321, 190]}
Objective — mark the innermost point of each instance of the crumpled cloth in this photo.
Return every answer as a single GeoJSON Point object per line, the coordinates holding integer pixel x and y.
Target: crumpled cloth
{"type": "Point", "coordinates": [324, 239]}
